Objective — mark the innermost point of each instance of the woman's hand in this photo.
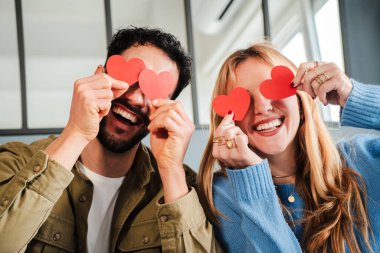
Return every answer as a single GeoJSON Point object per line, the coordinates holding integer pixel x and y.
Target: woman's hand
{"type": "Point", "coordinates": [231, 145]}
{"type": "Point", "coordinates": [325, 81]}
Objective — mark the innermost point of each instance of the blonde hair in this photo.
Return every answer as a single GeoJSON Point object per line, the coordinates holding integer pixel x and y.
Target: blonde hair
{"type": "Point", "coordinates": [334, 195]}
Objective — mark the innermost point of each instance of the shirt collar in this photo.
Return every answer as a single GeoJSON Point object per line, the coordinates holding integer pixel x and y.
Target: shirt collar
{"type": "Point", "coordinates": [143, 166]}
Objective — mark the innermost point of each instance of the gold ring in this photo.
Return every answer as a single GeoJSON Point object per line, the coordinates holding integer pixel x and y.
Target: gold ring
{"type": "Point", "coordinates": [230, 144]}
{"type": "Point", "coordinates": [220, 140]}
{"type": "Point", "coordinates": [319, 80]}
{"type": "Point", "coordinates": [326, 77]}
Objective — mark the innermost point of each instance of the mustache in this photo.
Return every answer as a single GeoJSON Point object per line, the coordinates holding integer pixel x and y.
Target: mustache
{"type": "Point", "coordinates": [143, 116]}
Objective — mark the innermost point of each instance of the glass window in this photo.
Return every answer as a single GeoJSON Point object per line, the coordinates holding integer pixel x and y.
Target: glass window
{"type": "Point", "coordinates": [295, 49]}
{"type": "Point", "coordinates": [330, 43]}
{"type": "Point", "coordinates": [64, 41]}
{"type": "Point", "coordinates": [168, 15]}
{"type": "Point", "coordinates": [219, 28]}
{"type": "Point", "coordinates": [10, 96]}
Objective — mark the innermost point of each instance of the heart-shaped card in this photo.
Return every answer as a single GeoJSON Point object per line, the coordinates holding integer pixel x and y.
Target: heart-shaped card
{"type": "Point", "coordinates": [156, 86]}
{"type": "Point", "coordinates": [237, 101]}
{"type": "Point", "coordinates": [279, 86]}
{"type": "Point", "coordinates": [127, 71]}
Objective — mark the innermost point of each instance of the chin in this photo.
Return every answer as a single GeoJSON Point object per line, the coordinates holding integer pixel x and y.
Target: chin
{"type": "Point", "coordinates": [269, 149]}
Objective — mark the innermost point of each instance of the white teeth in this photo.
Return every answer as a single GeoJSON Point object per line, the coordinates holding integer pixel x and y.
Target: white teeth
{"type": "Point", "coordinates": [268, 125]}
{"type": "Point", "coordinates": [125, 114]}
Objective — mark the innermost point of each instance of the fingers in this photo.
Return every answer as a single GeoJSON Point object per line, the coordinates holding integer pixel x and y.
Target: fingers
{"type": "Point", "coordinates": [104, 106]}
{"type": "Point", "coordinates": [228, 119]}
{"type": "Point", "coordinates": [230, 145]}
{"type": "Point", "coordinates": [92, 98]}
{"type": "Point", "coordinates": [221, 150]}
{"type": "Point", "coordinates": [102, 81]}
{"type": "Point", "coordinates": [170, 115]}
{"type": "Point", "coordinates": [99, 69]}
{"type": "Point", "coordinates": [302, 71]}
{"type": "Point", "coordinates": [323, 80]}
{"type": "Point", "coordinates": [163, 106]}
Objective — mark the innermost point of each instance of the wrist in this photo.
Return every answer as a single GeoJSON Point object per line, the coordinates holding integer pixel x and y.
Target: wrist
{"type": "Point", "coordinates": [174, 184]}
{"type": "Point", "coordinates": [66, 148]}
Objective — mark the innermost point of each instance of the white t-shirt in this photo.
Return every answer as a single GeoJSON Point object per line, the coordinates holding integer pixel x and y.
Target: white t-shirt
{"type": "Point", "coordinates": [99, 219]}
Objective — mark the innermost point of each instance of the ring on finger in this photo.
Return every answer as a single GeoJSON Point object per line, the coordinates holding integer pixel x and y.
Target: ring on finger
{"type": "Point", "coordinates": [325, 77]}
{"type": "Point", "coordinates": [230, 144]}
{"type": "Point", "coordinates": [220, 140]}
{"type": "Point", "coordinates": [316, 64]}
{"type": "Point", "coordinates": [319, 80]}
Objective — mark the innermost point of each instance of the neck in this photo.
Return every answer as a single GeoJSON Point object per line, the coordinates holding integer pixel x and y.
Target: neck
{"type": "Point", "coordinates": [283, 166]}
{"type": "Point", "coordinates": [103, 162]}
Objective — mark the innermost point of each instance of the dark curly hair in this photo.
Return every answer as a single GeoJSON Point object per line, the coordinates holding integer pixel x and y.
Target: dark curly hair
{"type": "Point", "coordinates": [132, 36]}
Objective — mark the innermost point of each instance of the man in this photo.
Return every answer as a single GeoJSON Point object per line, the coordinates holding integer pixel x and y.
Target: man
{"type": "Point", "coordinates": [96, 187]}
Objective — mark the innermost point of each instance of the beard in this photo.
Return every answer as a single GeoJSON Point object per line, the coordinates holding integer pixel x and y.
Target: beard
{"type": "Point", "coordinates": [116, 145]}
{"type": "Point", "coordinates": [112, 142]}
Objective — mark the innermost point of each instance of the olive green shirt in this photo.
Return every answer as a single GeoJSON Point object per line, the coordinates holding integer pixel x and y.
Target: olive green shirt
{"type": "Point", "coordinates": [44, 207]}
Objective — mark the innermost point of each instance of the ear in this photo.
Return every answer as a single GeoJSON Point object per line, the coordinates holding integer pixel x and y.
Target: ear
{"type": "Point", "coordinates": [99, 69]}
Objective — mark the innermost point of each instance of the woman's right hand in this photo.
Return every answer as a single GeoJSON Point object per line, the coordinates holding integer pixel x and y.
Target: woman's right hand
{"type": "Point", "coordinates": [230, 145]}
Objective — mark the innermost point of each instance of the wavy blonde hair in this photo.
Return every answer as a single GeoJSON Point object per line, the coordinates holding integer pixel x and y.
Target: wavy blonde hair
{"type": "Point", "coordinates": [334, 195]}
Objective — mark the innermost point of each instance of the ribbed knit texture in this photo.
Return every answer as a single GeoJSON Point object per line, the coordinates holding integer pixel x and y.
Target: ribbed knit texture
{"type": "Point", "coordinates": [253, 220]}
{"type": "Point", "coordinates": [361, 108]}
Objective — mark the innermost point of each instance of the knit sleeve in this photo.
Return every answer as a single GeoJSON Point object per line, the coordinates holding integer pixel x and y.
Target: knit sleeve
{"type": "Point", "coordinates": [252, 218]}
{"type": "Point", "coordinates": [362, 108]}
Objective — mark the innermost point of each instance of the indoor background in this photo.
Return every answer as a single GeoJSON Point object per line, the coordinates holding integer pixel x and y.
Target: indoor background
{"type": "Point", "coordinates": [45, 45]}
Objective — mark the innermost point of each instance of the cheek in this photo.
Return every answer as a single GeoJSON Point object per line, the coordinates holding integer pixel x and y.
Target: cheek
{"type": "Point", "coordinates": [295, 119]}
{"type": "Point", "coordinates": [244, 123]}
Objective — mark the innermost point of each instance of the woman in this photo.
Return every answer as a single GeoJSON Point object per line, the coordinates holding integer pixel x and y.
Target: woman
{"type": "Point", "coordinates": [284, 186]}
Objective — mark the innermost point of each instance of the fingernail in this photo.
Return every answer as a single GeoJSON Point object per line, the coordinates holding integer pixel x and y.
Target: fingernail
{"type": "Point", "coordinates": [230, 112]}
{"type": "Point", "coordinates": [293, 84]}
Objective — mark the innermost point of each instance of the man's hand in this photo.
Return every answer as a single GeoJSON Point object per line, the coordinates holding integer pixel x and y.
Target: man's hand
{"type": "Point", "coordinates": [170, 131]}
{"type": "Point", "coordinates": [90, 103]}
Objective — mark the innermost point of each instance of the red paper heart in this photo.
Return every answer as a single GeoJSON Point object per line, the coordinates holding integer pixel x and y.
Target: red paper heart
{"type": "Point", "coordinates": [279, 86]}
{"type": "Point", "coordinates": [127, 71]}
{"type": "Point", "coordinates": [237, 101]}
{"type": "Point", "coordinates": [156, 86]}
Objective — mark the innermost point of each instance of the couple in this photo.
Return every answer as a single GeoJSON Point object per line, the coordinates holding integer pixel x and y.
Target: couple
{"type": "Point", "coordinates": [96, 188]}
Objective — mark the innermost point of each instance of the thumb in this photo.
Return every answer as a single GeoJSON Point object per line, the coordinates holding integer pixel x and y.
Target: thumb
{"type": "Point", "coordinates": [100, 69]}
{"type": "Point", "coordinates": [117, 93]}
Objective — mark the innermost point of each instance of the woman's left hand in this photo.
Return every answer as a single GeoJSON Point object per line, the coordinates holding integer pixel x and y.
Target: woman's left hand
{"type": "Point", "coordinates": [325, 81]}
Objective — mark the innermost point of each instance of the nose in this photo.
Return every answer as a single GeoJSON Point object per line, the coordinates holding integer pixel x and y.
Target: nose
{"type": "Point", "coordinates": [136, 97]}
{"type": "Point", "coordinates": [262, 105]}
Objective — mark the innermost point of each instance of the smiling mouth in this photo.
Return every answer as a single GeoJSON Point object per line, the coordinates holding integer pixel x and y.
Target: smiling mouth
{"type": "Point", "coordinates": [125, 116]}
{"type": "Point", "coordinates": [269, 126]}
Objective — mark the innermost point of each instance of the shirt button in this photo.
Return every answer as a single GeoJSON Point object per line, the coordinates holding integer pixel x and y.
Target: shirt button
{"type": "Point", "coordinates": [57, 236]}
{"type": "Point", "coordinates": [37, 168]}
{"type": "Point", "coordinates": [164, 218]}
{"type": "Point", "coordinates": [145, 239]}
{"type": "Point", "coordinates": [4, 201]}
{"type": "Point", "coordinates": [83, 198]}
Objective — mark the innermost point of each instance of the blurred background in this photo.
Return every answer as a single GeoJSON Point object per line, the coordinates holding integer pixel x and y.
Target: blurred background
{"type": "Point", "coordinates": [45, 45]}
